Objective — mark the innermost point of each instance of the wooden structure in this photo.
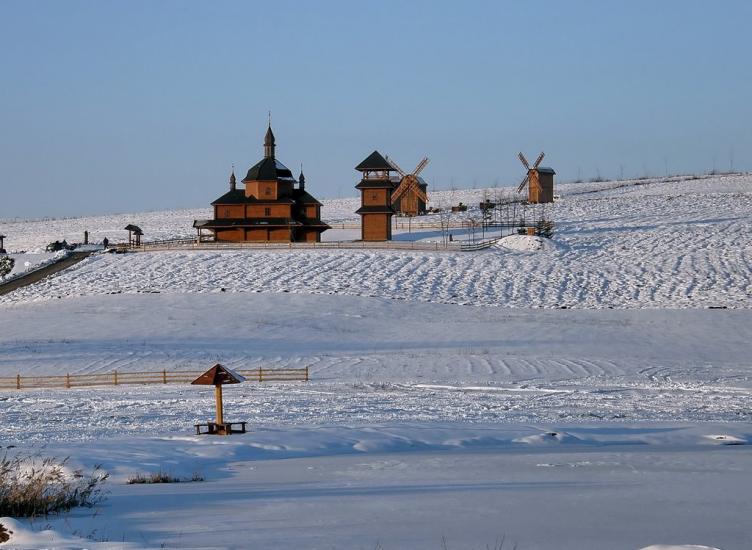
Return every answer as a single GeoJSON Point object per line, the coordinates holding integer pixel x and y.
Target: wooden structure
{"type": "Point", "coordinates": [409, 197]}
{"type": "Point", "coordinates": [376, 188]}
{"type": "Point", "coordinates": [539, 181]}
{"type": "Point", "coordinates": [2, 244]}
{"type": "Point", "coordinates": [134, 234]}
{"type": "Point", "coordinates": [218, 376]}
{"type": "Point", "coordinates": [270, 208]}
{"type": "Point", "coordinates": [122, 378]}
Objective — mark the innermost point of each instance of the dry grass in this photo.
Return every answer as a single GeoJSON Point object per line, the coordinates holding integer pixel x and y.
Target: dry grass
{"type": "Point", "coordinates": [32, 486]}
{"type": "Point", "coordinates": [161, 477]}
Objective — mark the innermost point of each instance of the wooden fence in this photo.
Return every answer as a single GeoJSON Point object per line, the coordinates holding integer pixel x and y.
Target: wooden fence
{"type": "Point", "coordinates": [116, 378]}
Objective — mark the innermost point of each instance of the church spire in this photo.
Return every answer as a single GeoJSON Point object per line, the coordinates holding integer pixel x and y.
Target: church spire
{"type": "Point", "coordinates": [269, 143]}
{"type": "Point", "coordinates": [233, 183]}
{"type": "Point", "coordinates": [301, 179]}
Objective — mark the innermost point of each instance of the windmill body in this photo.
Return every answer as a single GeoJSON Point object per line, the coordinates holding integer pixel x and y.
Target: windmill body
{"type": "Point", "coordinates": [409, 196]}
{"type": "Point", "coordinates": [539, 181]}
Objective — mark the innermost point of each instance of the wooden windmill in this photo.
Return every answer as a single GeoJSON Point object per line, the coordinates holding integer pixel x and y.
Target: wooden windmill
{"type": "Point", "coordinates": [410, 198]}
{"type": "Point", "coordinates": [539, 181]}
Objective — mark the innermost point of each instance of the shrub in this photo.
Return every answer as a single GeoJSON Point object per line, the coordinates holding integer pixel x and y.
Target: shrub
{"type": "Point", "coordinates": [161, 477]}
{"type": "Point", "coordinates": [6, 265]}
{"type": "Point", "coordinates": [30, 486]}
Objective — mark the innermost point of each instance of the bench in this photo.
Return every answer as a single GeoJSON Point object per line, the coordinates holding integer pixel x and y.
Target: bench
{"type": "Point", "coordinates": [225, 428]}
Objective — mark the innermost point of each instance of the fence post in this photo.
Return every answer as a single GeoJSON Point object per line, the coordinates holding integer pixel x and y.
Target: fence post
{"type": "Point", "coordinates": [306, 373]}
{"type": "Point", "coordinates": [18, 381]}
{"type": "Point", "coordinates": [116, 380]}
{"type": "Point", "coordinates": [164, 376]}
{"type": "Point", "coordinates": [67, 380]}
{"type": "Point", "coordinates": [261, 375]}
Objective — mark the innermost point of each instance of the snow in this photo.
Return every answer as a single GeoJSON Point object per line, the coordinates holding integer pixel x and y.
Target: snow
{"type": "Point", "coordinates": [453, 399]}
{"type": "Point", "coordinates": [621, 250]}
{"type": "Point", "coordinates": [26, 262]}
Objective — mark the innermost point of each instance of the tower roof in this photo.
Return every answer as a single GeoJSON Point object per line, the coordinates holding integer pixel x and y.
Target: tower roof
{"type": "Point", "coordinates": [374, 161]}
{"type": "Point", "coordinates": [268, 168]}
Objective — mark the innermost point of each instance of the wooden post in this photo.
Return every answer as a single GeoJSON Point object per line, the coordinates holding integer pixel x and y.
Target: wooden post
{"type": "Point", "coordinates": [218, 396]}
{"type": "Point", "coordinates": [67, 380]}
{"type": "Point", "coordinates": [18, 381]}
{"type": "Point", "coordinates": [306, 373]}
{"type": "Point", "coordinates": [164, 376]}
{"type": "Point", "coordinates": [261, 375]}
{"type": "Point", "coordinates": [116, 380]}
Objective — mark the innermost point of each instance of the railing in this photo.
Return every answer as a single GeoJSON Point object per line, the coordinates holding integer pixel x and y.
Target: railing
{"type": "Point", "coordinates": [481, 245]}
{"type": "Point", "coordinates": [219, 245]}
{"type": "Point", "coordinates": [116, 378]}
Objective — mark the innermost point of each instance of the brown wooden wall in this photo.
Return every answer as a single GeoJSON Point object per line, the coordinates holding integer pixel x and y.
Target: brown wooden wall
{"type": "Point", "coordinates": [276, 210]}
{"type": "Point", "coordinates": [544, 192]}
{"type": "Point", "coordinates": [279, 234]}
{"type": "Point", "coordinates": [375, 197]}
{"type": "Point", "coordinates": [376, 227]}
{"type": "Point", "coordinates": [230, 234]}
{"type": "Point", "coordinates": [222, 211]}
{"type": "Point", "coordinates": [262, 189]}
{"type": "Point", "coordinates": [312, 211]}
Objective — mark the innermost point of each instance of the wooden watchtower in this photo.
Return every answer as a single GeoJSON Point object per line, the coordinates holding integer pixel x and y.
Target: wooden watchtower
{"type": "Point", "coordinates": [376, 198]}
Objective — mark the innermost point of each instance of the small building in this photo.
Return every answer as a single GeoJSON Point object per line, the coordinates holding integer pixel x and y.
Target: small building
{"type": "Point", "coordinates": [413, 201]}
{"type": "Point", "coordinates": [272, 207]}
{"type": "Point", "coordinates": [375, 188]}
{"type": "Point", "coordinates": [134, 234]}
{"type": "Point", "coordinates": [541, 187]}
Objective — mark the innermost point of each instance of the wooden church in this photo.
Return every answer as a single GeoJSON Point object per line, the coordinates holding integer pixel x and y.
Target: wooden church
{"type": "Point", "coordinates": [272, 207]}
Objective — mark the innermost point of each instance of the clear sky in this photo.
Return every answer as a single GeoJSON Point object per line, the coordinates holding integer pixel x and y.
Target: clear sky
{"type": "Point", "coordinates": [121, 106]}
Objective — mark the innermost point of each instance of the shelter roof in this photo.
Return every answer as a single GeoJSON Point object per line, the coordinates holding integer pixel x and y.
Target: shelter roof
{"type": "Point", "coordinates": [136, 229]}
{"type": "Point", "coordinates": [545, 170]}
{"type": "Point", "coordinates": [217, 376]}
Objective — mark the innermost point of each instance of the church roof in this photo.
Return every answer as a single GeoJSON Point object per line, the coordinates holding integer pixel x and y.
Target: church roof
{"type": "Point", "coordinates": [303, 197]}
{"type": "Point", "coordinates": [374, 162]}
{"type": "Point", "coordinates": [268, 168]}
{"type": "Point", "coordinates": [237, 196]}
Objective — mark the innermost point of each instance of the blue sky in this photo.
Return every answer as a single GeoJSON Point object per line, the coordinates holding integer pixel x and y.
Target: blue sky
{"type": "Point", "coordinates": [115, 106]}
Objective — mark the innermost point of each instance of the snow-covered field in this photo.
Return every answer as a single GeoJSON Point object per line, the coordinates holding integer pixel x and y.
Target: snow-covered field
{"type": "Point", "coordinates": [578, 393]}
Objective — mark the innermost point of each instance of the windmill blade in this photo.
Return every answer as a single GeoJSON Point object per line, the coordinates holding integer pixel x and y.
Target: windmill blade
{"type": "Point", "coordinates": [422, 164]}
{"type": "Point", "coordinates": [401, 188]}
{"type": "Point", "coordinates": [539, 159]}
{"type": "Point", "coordinates": [396, 167]}
{"type": "Point", "coordinates": [523, 160]}
{"type": "Point", "coordinates": [524, 182]}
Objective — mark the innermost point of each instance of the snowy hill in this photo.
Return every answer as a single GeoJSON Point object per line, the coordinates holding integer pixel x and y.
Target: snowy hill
{"type": "Point", "coordinates": [577, 393]}
{"type": "Point", "coordinates": [671, 243]}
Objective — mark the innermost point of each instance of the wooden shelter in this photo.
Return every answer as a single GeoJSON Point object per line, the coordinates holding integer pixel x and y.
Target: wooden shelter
{"type": "Point", "coordinates": [539, 181]}
{"type": "Point", "coordinates": [218, 376]}
{"type": "Point", "coordinates": [270, 208]}
{"type": "Point", "coordinates": [134, 234]}
{"type": "Point", "coordinates": [376, 188]}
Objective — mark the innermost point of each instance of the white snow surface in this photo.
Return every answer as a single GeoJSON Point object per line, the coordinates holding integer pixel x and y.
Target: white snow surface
{"type": "Point", "coordinates": [681, 244]}
{"type": "Point", "coordinates": [621, 422]}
